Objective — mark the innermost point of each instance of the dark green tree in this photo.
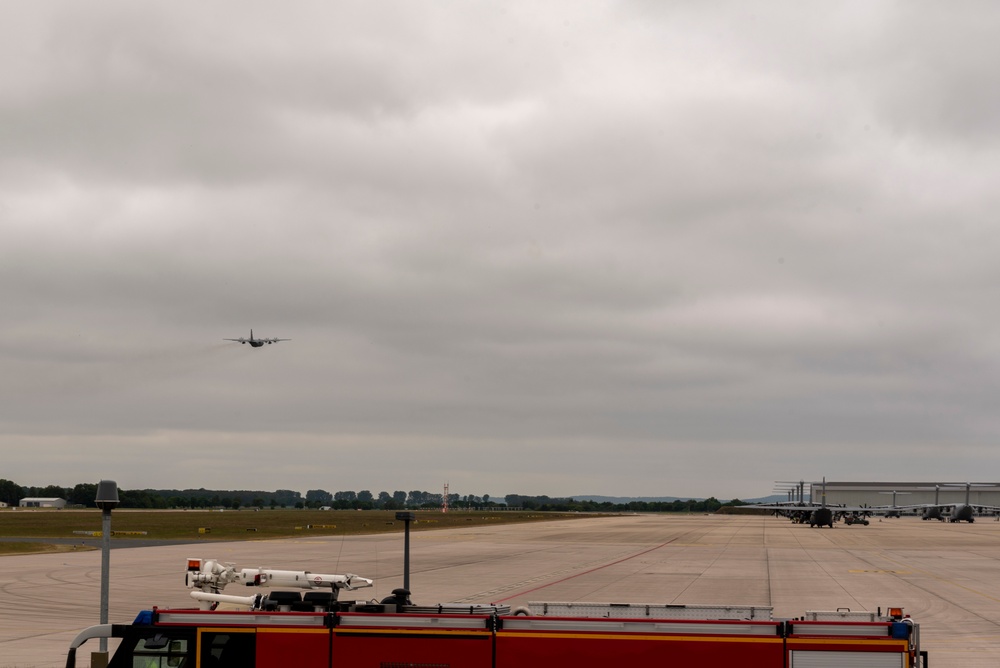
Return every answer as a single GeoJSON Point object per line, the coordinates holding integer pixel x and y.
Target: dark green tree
{"type": "Point", "coordinates": [53, 492]}
{"type": "Point", "coordinates": [10, 492]}
{"type": "Point", "coordinates": [84, 494]}
{"type": "Point", "coordinates": [319, 497]}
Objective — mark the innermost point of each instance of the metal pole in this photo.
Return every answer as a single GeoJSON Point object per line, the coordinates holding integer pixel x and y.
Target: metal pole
{"type": "Point", "coordinates": [406, 556]}
{"type": "Point", "coordinates": [105, 569]}
{"type": "Point", "coordinates": [107, 499]}
{"type": "Point", "coordinates": [406, 517]}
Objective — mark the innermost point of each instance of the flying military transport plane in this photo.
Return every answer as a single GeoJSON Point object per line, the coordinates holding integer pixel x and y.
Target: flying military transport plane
{"type": "Point", "coordinates": [256, 343]}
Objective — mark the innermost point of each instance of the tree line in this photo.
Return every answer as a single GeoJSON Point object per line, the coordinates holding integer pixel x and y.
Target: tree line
{"type": "Point", "coordinates": [709, 505]}
{"type": "Point", "coordinates": [83, 494]}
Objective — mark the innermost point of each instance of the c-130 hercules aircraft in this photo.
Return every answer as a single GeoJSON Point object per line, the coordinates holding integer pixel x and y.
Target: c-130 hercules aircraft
{"type": "Point", "coordinates": [820, 514]}
{"type": "Point", "coordinates": [256, 343]}
{"type": "Point", "coordinates": [823, 515]}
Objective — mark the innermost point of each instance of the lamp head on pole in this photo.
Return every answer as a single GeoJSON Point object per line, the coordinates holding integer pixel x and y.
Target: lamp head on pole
{"type": "Point", "coordinates": [107, 495]}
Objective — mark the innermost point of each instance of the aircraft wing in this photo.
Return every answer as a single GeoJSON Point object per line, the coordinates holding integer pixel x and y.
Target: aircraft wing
{"type": "Point", "coordinates": [874, 510]}
{"type": "Point", "coordinates": [240, 340]}
{"type": "Point", "coordinates": [786, 509]}
{"type": "Point", "coordinates": [863, 509]}
{"type": "Point", "coordinates": [274, 340]}
{"type": "Point", "coordinates": [948, 506]}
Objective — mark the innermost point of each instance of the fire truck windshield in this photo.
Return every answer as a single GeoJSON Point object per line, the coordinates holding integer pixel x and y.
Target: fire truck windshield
{"type": "Point", "coordinates": [163, 649]}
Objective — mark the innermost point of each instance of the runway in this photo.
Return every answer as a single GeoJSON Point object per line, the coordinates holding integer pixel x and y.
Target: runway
{"type": "Point", "coordinates": [946, 576]}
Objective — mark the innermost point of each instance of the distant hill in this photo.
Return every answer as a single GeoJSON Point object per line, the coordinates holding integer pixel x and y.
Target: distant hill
{"type": "Point", "coordinates": [774, 498]}
{"type": "Point", "coordinates": [665, 499]}
{"type": "Point", "coordinates": [627, 499]}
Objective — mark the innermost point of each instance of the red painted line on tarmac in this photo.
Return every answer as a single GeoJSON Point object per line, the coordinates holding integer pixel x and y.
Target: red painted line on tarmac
{"type": "Point", "coordinates": [597, 568]}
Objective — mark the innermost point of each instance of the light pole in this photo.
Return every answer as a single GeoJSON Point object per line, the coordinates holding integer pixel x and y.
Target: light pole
{"type": "Point", "coordinates": [107, 499]}
{"type": "Point", "coordinates": [406, 517]}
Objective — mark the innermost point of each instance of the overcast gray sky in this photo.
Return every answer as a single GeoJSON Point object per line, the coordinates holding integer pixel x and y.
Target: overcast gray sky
{"type": "Point", "coordinates": [622, 248]}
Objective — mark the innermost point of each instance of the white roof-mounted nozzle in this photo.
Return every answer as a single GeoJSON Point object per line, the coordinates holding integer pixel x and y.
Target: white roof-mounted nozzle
{"type": "Point", "coordinates": [209, 577]}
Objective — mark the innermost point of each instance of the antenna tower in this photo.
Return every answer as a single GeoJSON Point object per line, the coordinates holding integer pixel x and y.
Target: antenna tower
{"type": "Point", "coordinates": [444, 499]}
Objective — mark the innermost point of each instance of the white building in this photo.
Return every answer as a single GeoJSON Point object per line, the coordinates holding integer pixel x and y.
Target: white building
{"type": "Point", "coordinates": [904, 493]}
{"type": "Point", "coordinates": [35, 502]}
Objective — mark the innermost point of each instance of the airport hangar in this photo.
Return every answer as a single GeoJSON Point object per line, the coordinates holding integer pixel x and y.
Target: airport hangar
{"type": "Point", "coordinates": [881, 493]}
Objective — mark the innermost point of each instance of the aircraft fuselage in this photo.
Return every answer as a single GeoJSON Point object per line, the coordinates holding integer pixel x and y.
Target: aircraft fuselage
{"type": "Point", "coordinates": [962, 513]}
{"type": "Point", "coordinates": [256, 343]}
{"type": "Point", "coordinates": [821, 517]}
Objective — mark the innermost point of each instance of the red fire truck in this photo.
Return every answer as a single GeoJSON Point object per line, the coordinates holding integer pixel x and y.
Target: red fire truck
{"type": "Point", "coordinates": [288, 629]}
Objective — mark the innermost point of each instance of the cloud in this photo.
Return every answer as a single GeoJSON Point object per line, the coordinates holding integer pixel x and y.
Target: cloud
{"type": "Point", "coordinates": [617, 244]}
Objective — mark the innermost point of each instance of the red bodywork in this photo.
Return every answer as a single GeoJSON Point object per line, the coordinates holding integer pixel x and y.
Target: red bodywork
{"type": "Point", "coordinates": [398, 640]}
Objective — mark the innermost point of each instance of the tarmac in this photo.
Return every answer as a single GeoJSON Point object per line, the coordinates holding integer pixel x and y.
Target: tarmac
{"type": "Point", "coordinates": [946, 576]}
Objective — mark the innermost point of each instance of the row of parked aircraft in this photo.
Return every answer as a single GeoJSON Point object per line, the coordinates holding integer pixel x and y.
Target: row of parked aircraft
{"type": "Point", "coordinates": [823, 515]}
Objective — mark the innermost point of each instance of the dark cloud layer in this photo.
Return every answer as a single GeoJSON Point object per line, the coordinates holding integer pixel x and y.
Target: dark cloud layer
{"type": "Point", "coordinates": [619, 248]}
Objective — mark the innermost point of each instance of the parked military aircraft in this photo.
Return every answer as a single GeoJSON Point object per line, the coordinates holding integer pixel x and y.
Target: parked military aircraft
{"type": "Point", "coordinates": [256, 343]}
{"type": "Point", "coordinates": [820, 514]}
{"type": "Point", "coordinates": [957, 512]}
{"type": "Point", "coordinates": [895, 510]}
{"type": "Point", "coordinates": [933, 512]}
